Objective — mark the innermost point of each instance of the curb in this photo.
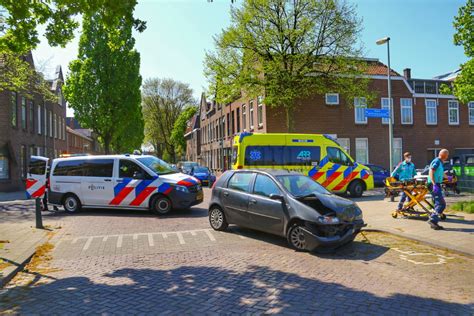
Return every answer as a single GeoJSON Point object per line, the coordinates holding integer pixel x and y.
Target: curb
{"type": "Point", "coordinates": [418, 239]}
{"type": "Point", "coordinates": [11, 271]}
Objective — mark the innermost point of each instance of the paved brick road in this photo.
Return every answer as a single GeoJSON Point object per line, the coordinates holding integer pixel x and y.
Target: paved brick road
{"type": "Point", "coordinates": [131, 262]}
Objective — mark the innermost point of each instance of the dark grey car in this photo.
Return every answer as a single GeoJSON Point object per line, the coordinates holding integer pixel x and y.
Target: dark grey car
{"type": "Point", "coordinates": [284, 203]}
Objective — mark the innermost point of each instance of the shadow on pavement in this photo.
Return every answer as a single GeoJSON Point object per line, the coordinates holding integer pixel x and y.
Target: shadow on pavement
{"type": "Point", "coordinates": [207, 289]}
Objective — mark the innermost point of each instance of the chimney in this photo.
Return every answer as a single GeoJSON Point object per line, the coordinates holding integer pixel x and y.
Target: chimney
{"type": "Point", "coordinates": [407, 73]}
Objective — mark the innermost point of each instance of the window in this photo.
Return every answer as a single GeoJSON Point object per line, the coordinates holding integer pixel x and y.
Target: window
{"type": "Point", "coordinates": [397, 151]}
{"type": "Point", "coordinates": [244, 117]}
{"type": "Point", "coordinates": [453, 112]}
{"type": "Point", "coordinates": [260, 112]}
{"type": "Point", "coordinates": [55, 126]}
{"type": "Point", "coordinates": [50, 124]}
{"type": "Point", "coordinates": [386, 106]}
{"type": "Point", "coordinates": [23, 113]}
{"type": "Point", "coordinates": [282, 155]}
{"type": "Point", "coordinates": [251, 114]}
{"type": "Point", "coordinates": [23, 161]}
{"type": "Point", "coordinates": [238, 120]}
{"type": "Point", "coordinates": [431, 112]}
{"type": "Point", "coordinates": [32, 150]}
{"type": "Point", "coordinates": [335, 155]}
{"type": "Point", "coordinates": [31, 116]}
{"type": "Point", "coordinates": [14, 109]}
{"type": "Point", "coordinates": [37, 166]}
{"type": "Point", "coordinates": [4, 164]}
{"type": "Point", "coordinates": [71, 168]}
{"type": "Point", "coordinates": [128, 168]}
{"type": "Point", "coordinates": [406, 108]}
{"type": "Point", "coordinates": [40, 111]}
{"type": "Point", "coordinates": [471, 113]}
{"type": "Point", "coordinates": [240, 181]}
{"type": "Point", "coordinates": [265, 186]}
{"type": "Point", "coordinates": [362, 150]}
{"type": "Point", "coordinates": [98, 168]}
{"type": "Point", "coordinates": [332, 98]}
{"type": "Point", "coordinates": [360, 104]}
{"type": "Point", "coordinates": [345, 143]}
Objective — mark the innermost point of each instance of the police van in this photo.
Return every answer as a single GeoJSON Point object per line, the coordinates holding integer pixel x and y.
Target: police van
{"type": "Point", "coordinates": [117, 181]}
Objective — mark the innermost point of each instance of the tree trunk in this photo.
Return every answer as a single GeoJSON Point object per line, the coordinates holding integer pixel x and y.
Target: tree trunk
{"type": "Point", "coordinates": [289, 120]}
{"type": "Point", "coordinates": [107, 145]}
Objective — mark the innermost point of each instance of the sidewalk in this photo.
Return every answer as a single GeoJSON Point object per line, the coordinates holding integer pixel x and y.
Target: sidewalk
{"type": "Point", "coordinates": [12, 196]}
{"type": "Point", "coordinates": [459, 227]}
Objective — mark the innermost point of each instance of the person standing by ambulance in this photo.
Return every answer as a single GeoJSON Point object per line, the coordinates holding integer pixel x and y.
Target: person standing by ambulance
{"type": "Point", "coordinates": [435, 179]}
{"type": "Point", "coordinates": [404, 171]}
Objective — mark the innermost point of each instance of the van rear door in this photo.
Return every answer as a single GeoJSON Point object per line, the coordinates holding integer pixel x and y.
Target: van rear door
{"type": "Point", "coordinates": [36, 177]}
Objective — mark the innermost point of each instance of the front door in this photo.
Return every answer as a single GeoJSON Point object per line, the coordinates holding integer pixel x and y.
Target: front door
{"type": "Point", "coordinates": [97, 185]}
{"type": "Point", "coordinates": [36, 178]}
{"type": "Point", "coordinates": [264, 213]}
{"type": "Point", "coordinates": [235, 197]}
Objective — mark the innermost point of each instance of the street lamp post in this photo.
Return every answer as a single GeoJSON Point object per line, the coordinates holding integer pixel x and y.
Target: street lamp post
{"type": "Point", "coordinates": [390, 123]}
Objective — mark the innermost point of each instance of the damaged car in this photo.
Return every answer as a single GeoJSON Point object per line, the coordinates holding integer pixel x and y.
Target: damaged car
{"type": "Point", "coordinates": [287, 204]}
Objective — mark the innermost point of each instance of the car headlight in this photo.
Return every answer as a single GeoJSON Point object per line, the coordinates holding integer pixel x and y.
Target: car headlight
{"type": "Point", "coordinates": [181, 188]}
{"type": "Point", "coordinates": [358, 214]}
{"type": "Point", "coordinates": [328, 220]}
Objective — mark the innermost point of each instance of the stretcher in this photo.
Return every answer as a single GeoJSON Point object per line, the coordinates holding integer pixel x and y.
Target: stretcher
{"type": "Point", "coordinates": [417, 205]}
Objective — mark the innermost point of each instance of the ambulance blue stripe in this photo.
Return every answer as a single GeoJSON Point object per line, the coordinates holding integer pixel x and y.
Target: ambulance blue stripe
{"type": "Point", "coordinates": [332, 170]}
{"type": "Point", "coordinates": [119, 187]}
{"type": "Point", "coordinates": [347, 172]}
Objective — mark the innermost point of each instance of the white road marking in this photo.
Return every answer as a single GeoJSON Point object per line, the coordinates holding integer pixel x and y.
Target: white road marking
{"type": "Point", "coordinates": [74, 240]}
{"type": "Point", "coordinates": [406, 254]}
{"type": "Point", "coordinates": [193, 232]}
{"type": "Point", "coordinates": [150, 240]}
{"type": "Point", "coordinates": [135, 236]}
{"type": "Point", "coordinates": [180, 238]}
{"type": "Point", "coordinates": [208, 233]}
{"type": "Point", "coordinates": [105, 238]}
{"type": "Point", "coordinates": [165, 235]}
{"type": "Point", "coordinates": [87, 244]}
{"type": "Point", "coordinates": [119, 241]}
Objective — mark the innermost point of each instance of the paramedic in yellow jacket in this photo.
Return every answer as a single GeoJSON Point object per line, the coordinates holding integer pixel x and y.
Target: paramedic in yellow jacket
{"type": "Point", "coordinates": [404, 171]}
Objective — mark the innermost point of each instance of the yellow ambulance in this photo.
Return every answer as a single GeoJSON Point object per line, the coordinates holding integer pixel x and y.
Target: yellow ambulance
{"type": "Point", "coordinates": [316, 155]}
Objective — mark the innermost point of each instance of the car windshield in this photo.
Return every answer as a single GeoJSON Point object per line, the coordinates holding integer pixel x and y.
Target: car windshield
{"type": "Point", "coordinates": [200, 170]}
{"type": "Point", "coordinates": [157, 165]}
{"type": "Point", "coordinates": [299, 185]}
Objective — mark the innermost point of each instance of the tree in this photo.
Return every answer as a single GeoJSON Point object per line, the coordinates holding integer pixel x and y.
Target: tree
{"type": "Point", "coordinates": [163, 102]}
{"type": "Point", "coordinates": [179, 128]}
{"type": "Point", "coordinates": [103, 86]}
{"type": "Point", "coordinates": [287, 50]}
{"type": "Point", "coordinates": [463, 85]}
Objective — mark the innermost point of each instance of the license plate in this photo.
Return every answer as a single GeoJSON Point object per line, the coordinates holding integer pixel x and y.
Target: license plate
{"type": "Point", "coordinates": [199, 196]}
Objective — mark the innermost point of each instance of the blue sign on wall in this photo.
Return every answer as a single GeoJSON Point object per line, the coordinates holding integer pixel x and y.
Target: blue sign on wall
{"type": "Point", "coordinates": [381, 113]}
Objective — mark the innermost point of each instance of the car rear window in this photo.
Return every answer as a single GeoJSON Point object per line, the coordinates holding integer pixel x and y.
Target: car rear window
{"type": "Point", "coordinates": [37, 166]}
{"type": "Point", "coordinates": [282, 155]}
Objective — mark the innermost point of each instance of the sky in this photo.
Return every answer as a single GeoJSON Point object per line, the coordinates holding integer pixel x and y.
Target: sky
{"type": "Point", "coordinates": [180, 31]}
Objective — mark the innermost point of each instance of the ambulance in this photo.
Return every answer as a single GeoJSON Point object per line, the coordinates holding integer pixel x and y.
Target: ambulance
{"type": "Point", "coordinates": [316, 155]}
{"type": "Point", "coordinates": [114, 181]}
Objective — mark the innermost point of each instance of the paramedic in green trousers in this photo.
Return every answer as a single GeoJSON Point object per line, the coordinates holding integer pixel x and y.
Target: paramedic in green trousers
{"type": "Point", "coordinates": [435, 179]}
{"type": "Point", "coordinates": [404, 171]}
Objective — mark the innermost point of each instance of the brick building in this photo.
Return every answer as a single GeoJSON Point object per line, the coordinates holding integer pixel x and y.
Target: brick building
{"type": "Point", "coordinates": [424, 121]}
{"type": "Point", "coordinates": [30, 125]}
{"type": "Point", "coordinates": [81, 140]}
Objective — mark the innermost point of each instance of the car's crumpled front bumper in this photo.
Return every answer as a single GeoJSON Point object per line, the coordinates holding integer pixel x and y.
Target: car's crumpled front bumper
{"type": "Point", "coordinates": [314, 242]}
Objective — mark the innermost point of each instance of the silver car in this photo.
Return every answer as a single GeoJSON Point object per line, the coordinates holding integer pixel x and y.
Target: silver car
{"type": "Point", "coordinates": [287, 204]}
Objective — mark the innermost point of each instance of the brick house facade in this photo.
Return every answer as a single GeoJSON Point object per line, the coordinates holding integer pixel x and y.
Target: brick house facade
{"type": "Point", "coordinates": [29, 125]}
{"type": "Point", "coordinates": [431, 121]}
{"type": "Point", "coordinates": [81, 140]}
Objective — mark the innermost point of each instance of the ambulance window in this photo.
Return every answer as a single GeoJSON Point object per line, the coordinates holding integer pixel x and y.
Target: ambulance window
{"type": "Point", "coordinates": [302, 155]}
{"type": "Point", "coordinates": [264, 156]}
{"type": "Point", "coordinates": [128, 168]}
{"type": "Point", "coordinates": [37, 166]}
{"type": "Point", "coordinates": [335, 155]}
{"type": "Point", "coordinates": [99, 168]}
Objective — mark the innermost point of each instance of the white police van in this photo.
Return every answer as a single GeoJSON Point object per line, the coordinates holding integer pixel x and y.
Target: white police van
{"type": "Point", "coordinates": [120, 181]}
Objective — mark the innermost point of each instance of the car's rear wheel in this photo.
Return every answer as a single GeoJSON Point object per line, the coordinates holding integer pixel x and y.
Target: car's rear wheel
{"type": "Point", "coordinates": [161, 205]}
{"type": "Point", "coordinates": [217, 218]}
{"type": "Point", "coordinates": [356, 189]}
{"type": "Point", "coordinates": [296, 238]}
{"type": "Point", "coordinates": [72, 204]}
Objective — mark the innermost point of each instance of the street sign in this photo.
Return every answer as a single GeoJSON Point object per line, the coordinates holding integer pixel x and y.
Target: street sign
{"type": "Point", "coordinates": [381, 113]}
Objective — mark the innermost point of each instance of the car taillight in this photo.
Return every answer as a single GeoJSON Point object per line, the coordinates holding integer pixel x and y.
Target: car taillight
{"type": "Point", "coordinates": [240, 167]}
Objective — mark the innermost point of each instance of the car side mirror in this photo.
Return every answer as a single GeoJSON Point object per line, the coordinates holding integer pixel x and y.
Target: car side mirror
{"type": "Point", "coordinates": [277, 197]}
{"type": "Point", "coordinates": [139, 175]}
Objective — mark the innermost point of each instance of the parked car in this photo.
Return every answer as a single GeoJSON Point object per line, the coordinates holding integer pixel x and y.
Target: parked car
{"type": "Point", "coordinates": [204, 175]}
{"type": "Point", "coordinates": [186, 166]}
{"type": "Point", "coordinates": [287, 204]}
{"type": "Point", "coordinates": [380, 174]}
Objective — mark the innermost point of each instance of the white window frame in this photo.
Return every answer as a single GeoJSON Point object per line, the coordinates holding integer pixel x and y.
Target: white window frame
{"type": "Point", "coordinates": [470, 114]}
{"type": "Point", "coordinates": [251, 115]}
{"type": "Point", "coordinates": [366, 140]}
{"type": "Point", "coordinates": [330, 95]}
{"type": "Point", "coordinates": [430, 108]}
{"type": "Point", "coordinates": [396, 159]}
{"type": "Point", "coordinates": [383, 105]}
{"type": "Point", "coordinates": [345, 143]}
{"type": "Point", "coordinates": [39, 119]}
{"type": "Point", "coordinates": [406, 107]}
{"type": "Point", "coordinates": [456, 107]}
{"type": "Point", "coordinates": [50, 124]}
{"type": "Point", "coordinates": [260, 111]}
{"type": "Point", "coordinates": [244, 117]}
{"type": "Point", "coordinates": [357, 105]}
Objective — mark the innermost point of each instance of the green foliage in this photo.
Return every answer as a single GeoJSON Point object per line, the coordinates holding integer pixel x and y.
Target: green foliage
{"type": "Point", "coordinates": [286, 51]}
{"type": "Point", "coordinates": [163, 100]}
{"type": "Point", "coordinates": [179, 128]}
{"type": "Point", "coordinates": [103, 86]}
{"type": "Point", "coordinates": [463, 85]}
{"type": "Point", "coordinates": [463, 206]}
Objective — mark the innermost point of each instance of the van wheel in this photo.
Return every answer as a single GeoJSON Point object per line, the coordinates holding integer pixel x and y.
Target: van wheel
{"type": "Point", "coordinates": [161, 205]}
{"type": "Point", "coordinates": [217, 218]}
{"type": "Point", "coordinates": [356, 189]}
{"type": "Point", "coordinates": [72, 204]}
{"type": "Point", "coordinates": [296, 238]}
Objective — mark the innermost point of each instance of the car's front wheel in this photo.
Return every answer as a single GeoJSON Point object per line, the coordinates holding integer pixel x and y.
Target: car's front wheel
{"type": "Point", "coordinates": [161, 205]}
{"type": "Point", "coordinates": [217, 218]}
{"type": "Point", "coordinates": [296, 238]}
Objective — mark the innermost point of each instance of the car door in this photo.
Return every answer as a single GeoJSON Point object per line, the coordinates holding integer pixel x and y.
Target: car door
{"type": "Point", "coordinates": [97, 185]}
{"type": "Point", "coordinates": [235, 197]}
{"type": "Point", "coordinates": [36, 178]}
{"type": "Point", "coordinates": [264, 213]}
